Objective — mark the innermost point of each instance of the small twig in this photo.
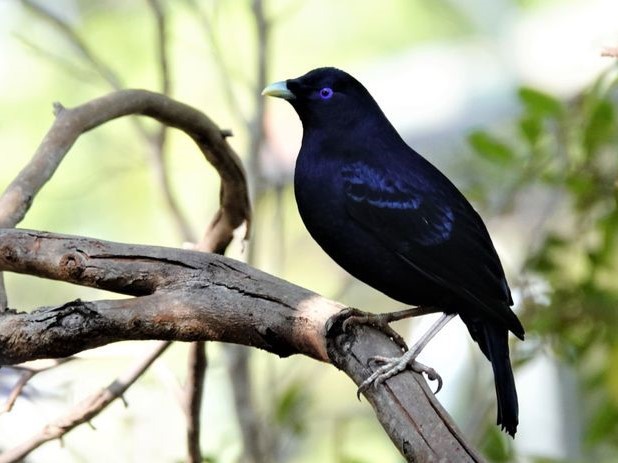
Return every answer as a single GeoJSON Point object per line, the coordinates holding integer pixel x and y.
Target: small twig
{"type": "Point", "coordinates": [27, 374]}
{"type": "Point", "coordinates": [162, 48]}
{"type": "Point", "coordinates": [248, 419]}
{"type": "Point", "coordinates": [4, 302]}
{"type": "Point", "coordinates": [85, 410]}
{"type": "Point", "coordinates": [17, 389]}
{"type": "Point", "coordinates": [194, 389]}
{"type": "Point", "coordinates": [84, 50]}
{"type": "Point", "coordinates": [225, 78]}
{"type": "Point", "coordinates": [255, 436]}
{"type": "Point", "coordinates": [256, 126]}
{"type": "Point", "coordinates": [157, 141]}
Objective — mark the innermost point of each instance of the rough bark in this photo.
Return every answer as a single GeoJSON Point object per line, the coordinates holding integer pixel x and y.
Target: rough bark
{"type": "Point", "coordinates": [192, 296]}
{"type": "Point", "coordinates": [184, 296]}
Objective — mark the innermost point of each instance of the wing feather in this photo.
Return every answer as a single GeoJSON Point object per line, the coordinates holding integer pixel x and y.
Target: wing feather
{"type": "Point", "coordinates": [436, 231]}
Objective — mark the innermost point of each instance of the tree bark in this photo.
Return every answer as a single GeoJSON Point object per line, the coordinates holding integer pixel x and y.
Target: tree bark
{"type": "Point", "coordinates": [193, 296]}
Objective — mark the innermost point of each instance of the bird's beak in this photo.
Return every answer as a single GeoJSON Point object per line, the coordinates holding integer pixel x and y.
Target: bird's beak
{"type": "Point", "coordinates": [279, 90]}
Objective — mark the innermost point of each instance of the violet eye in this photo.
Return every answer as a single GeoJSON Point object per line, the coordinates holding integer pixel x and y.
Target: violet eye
{"type": "Point", "coordinates": [326, 93]}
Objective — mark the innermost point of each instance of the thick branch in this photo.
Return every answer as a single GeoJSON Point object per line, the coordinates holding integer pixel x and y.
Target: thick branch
{"type": "Point", "coordinates": [188, 296]}
{"type": "Point", "coordinates": [191, 296]}
{"type": "Point", "coordinates": [411, 415]}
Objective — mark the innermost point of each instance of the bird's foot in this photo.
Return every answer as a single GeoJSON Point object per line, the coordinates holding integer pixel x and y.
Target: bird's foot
{"type": "Point", "coordinates": [392, 366]}
{"type": "Point", "coordinates": [381, 322]}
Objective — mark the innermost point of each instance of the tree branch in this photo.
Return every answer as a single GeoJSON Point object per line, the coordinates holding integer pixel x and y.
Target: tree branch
{"type": "Point", "coordinates": [102, 68]}
{"type": "Point", "coordinates": [191, 296]}
{"type": "Point", "coordinates": [85, 411]}
{"type": "Point", "coordinates": [194, 391]}
{"type": "Point", "coordinates": [71, 123]}
{"type": "Point", "coordinates": [27, 373]}
{"type": "Point", "coordinates": [186, 296]}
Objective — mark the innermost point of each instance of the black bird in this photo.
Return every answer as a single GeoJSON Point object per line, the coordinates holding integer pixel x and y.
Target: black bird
{"type": "Point", "coordinates": [395, 222]}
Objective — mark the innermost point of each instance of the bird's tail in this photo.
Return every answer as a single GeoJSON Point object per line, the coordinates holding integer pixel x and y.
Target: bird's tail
{"type": "Point", "coordinates": [494, 344]}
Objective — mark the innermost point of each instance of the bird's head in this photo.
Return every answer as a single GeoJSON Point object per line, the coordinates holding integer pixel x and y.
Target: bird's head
{"type": "Point", "coordinates": [325, 97]}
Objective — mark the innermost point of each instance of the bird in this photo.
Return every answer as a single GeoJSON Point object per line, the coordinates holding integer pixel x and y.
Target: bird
{"type": "Point", "coordinates": [391, 219]}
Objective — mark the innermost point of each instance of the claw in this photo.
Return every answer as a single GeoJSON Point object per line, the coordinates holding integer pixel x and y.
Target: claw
{"type": "Point", "coordinates": [392, 366]}
{"type": "Point", "coordinates": [432, 375]}
{"type": "Point", "coordinates": [378, 321]}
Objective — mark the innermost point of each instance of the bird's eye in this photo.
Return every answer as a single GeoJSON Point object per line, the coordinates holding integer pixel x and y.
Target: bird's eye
{"type": "Point", "coordinates": [326, 93]}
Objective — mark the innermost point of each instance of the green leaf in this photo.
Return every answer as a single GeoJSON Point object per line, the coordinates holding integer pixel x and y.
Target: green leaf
{"type": "Point", "coordinates": [540, 103]}
{"type": "Point", "coordinates": [600, 126]}
{"type": "Point", "coordinates": [490, 148]}
{"type": "Point", "coordinates": [496, 447]}
{"type": "Point", "coordinates": [291, 408]}
{"type": "Point", "coordinates": [603, 423]}
{"type": "Point", "coordinates": [580, 184]}
{"type": "Point", "coordinates": [531, 127]}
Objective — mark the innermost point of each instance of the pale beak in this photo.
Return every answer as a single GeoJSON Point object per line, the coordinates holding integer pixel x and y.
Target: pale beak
{"type": "Point", "coordinates": [279, 90]}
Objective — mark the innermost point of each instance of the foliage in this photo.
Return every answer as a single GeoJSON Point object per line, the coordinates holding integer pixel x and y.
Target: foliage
{"type": "Point", "coordinates": [569, 150]}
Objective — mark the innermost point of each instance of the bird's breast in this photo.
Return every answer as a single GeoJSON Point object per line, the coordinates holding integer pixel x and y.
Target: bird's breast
{"type": "Point", "coordinates": [321, 201]}
{"type": "Point", "coordinates": [319, 194]}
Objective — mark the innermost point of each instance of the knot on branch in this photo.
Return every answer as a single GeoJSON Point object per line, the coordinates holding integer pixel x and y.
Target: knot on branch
{"type": "Point", "coordinates": [58, 108]}
{"type": "Point", "coordinates": [74, 315]}
{"type": "Point", "coordinates": [8, 253]}
{"type": "Point", "coordinates": [275, 342]}
{"type": "Point", "coordinates": [72, 264]}
{"type": "Point", "coordinates": [339, 340]}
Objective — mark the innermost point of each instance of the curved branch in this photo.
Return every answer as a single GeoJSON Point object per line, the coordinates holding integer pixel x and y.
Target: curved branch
{"type": "Point", "coordinates": [191, 296]}
{"type": "Point", "coordinates": [71, 123]}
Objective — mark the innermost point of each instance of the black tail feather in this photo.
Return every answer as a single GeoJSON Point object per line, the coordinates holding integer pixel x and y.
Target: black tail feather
{"type": "Point", "coordinates": [493, 341]}
{"type": "Point", "coordinates": [496, 348]}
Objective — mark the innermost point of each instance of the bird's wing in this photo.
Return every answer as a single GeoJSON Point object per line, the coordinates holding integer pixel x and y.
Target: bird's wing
{"type": "Point", "coordinates": [434, 230]}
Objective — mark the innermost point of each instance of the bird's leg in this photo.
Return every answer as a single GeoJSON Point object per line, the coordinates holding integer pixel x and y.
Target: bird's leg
{"type": "Point", "coordinates": [381, 321]}
{"type": "Point", "coordinates": [392, 366]}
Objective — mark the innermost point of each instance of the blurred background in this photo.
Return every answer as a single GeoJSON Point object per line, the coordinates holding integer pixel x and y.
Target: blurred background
{"type": "Point", "coordinates": [510, 98]}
